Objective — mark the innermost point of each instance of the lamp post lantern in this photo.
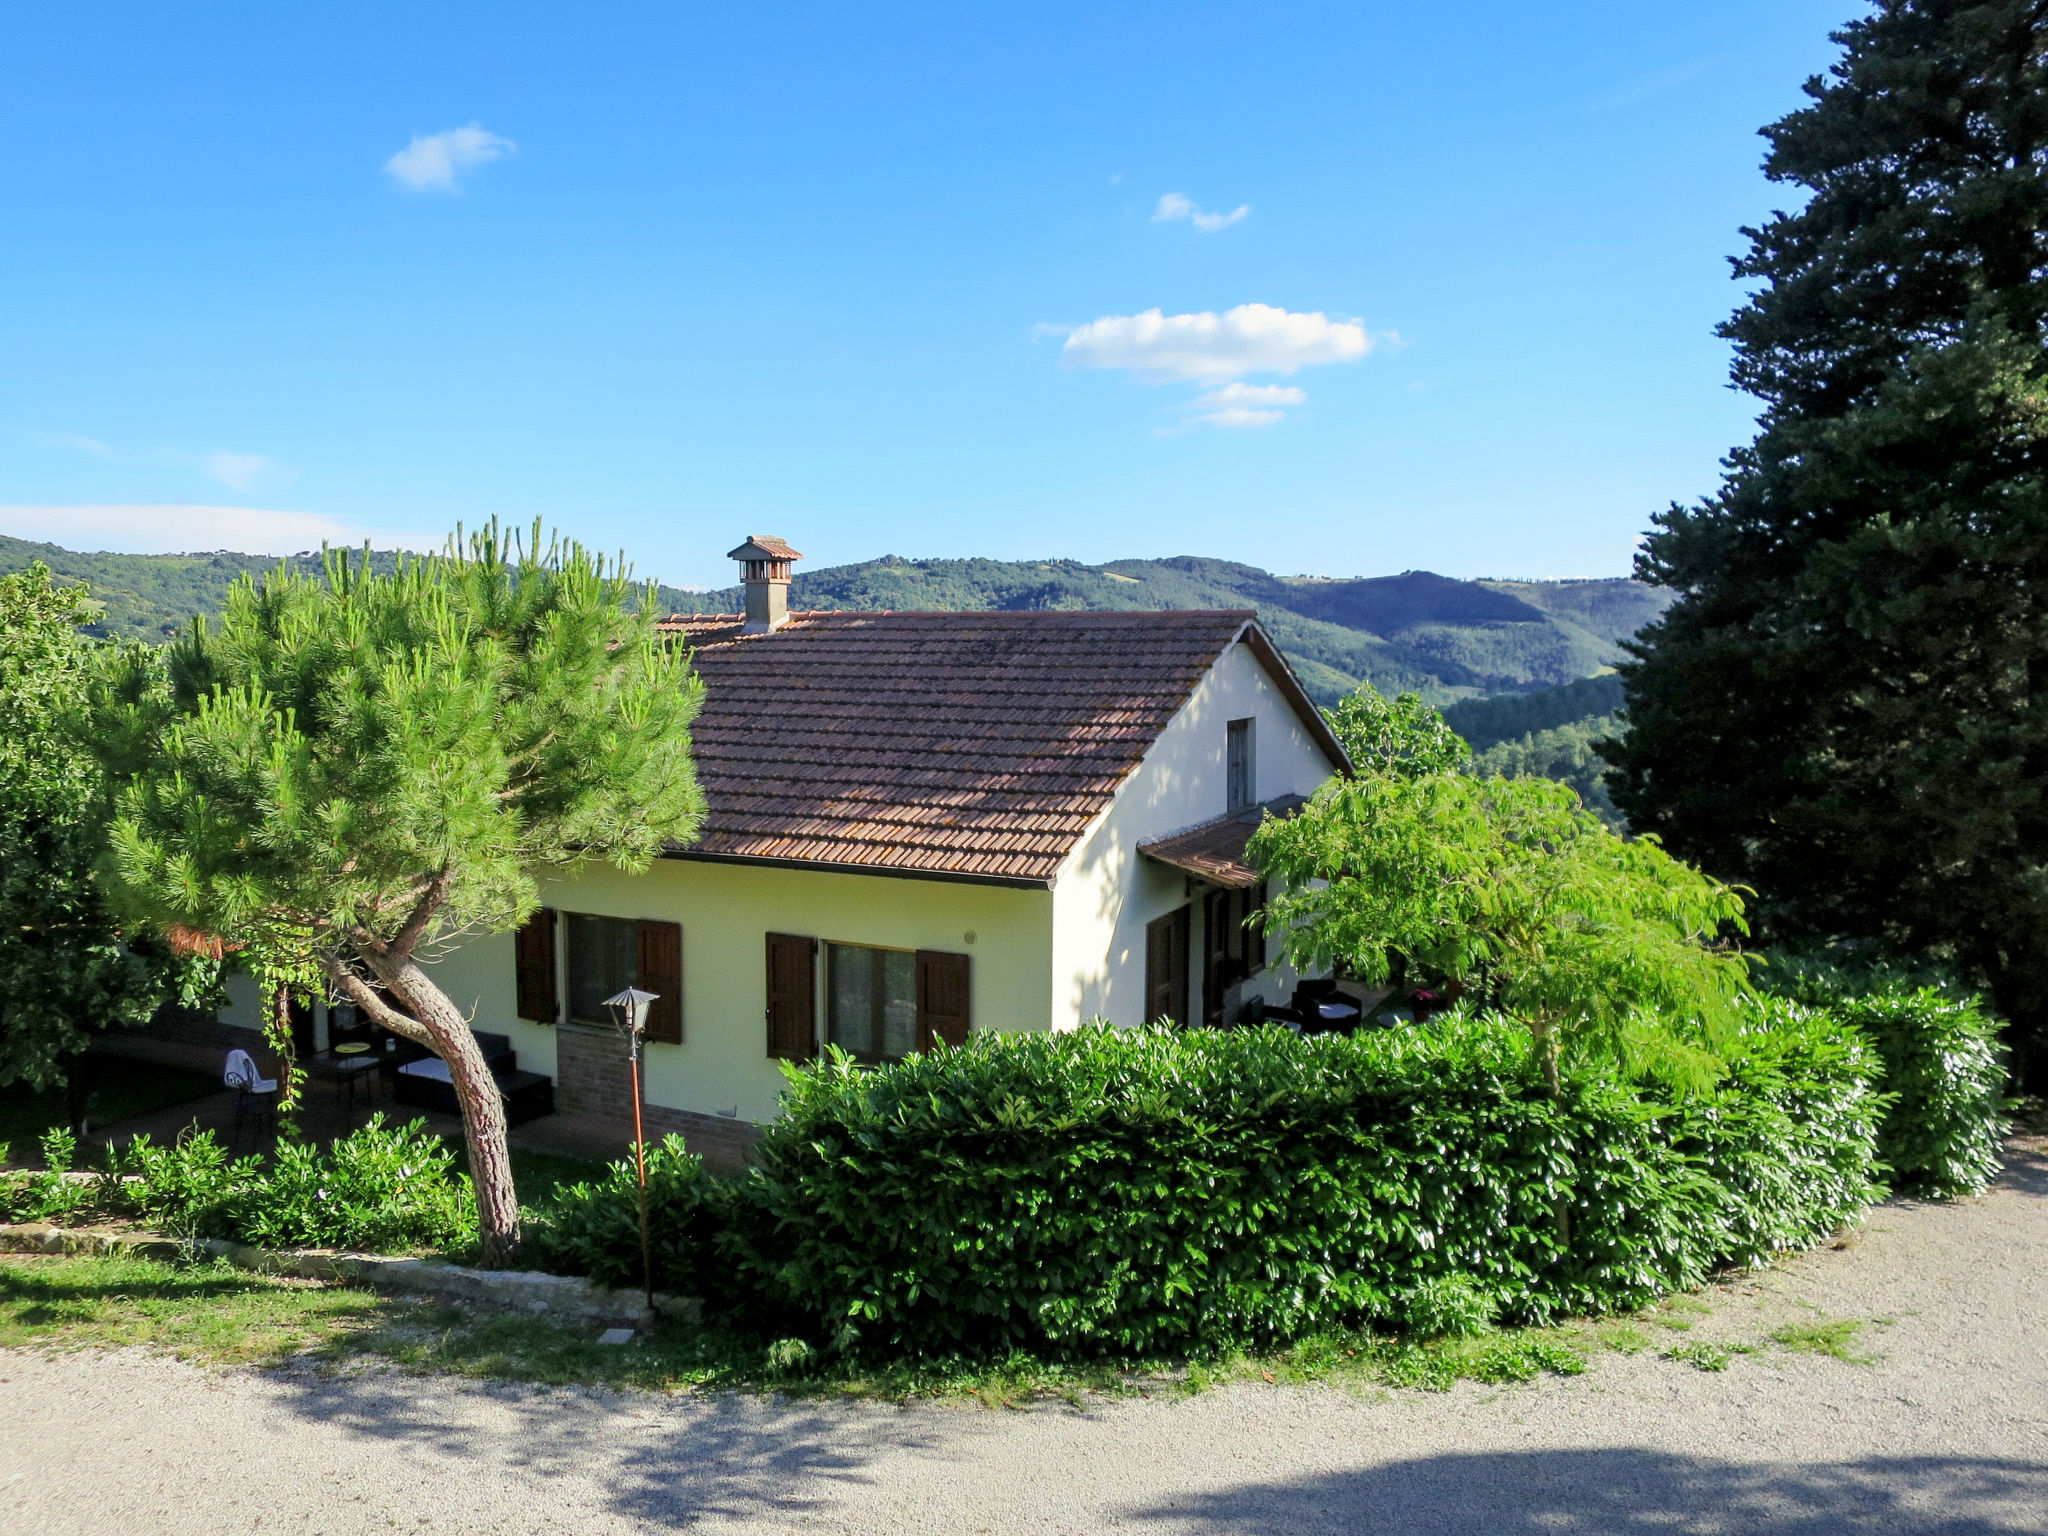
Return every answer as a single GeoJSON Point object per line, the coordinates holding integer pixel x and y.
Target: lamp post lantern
{"type": "Point", "coordinates": [629, 1011]}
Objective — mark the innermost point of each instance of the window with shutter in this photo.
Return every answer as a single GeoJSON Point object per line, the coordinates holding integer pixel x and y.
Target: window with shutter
{"type": "Point", "coordinates": [660, 971]}
{"type": "Point", "coordinates": [533, 951]}
{"type": "Point", "coordinates": [792, 997]}
{"type": "Point", "coordinates": [942, 998]}
{"type": "Point", "coordinates": [1241, 764]}
{"type": "Point", "coordinates": [1166, 967]}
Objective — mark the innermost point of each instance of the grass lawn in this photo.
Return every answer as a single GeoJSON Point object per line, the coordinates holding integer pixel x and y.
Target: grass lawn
{"type": "Point", "coordinates": [215, 1314]}
{"type": "Point", "coordinates": [121, 1090]}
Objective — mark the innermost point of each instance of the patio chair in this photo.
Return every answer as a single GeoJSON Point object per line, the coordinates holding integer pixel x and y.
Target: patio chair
{"type": "Point", "coordinates": [255, 1094]}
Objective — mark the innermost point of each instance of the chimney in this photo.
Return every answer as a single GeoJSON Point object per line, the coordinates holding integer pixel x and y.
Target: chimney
{"type": "Point", "coordinates": [764, 571]}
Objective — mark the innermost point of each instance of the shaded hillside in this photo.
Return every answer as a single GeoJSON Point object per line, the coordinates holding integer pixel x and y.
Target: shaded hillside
{"type": "Point", "coordinates": [1443, 638]}
{"type": "Point", "coordinates": [1483, 722]}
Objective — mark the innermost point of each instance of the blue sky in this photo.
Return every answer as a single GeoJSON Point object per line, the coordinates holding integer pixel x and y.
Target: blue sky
{"type": "Point", "coordinates": [878, 278]}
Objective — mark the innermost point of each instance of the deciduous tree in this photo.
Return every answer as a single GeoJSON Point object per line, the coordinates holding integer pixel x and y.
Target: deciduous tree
{"type": "Point", "coordinates": [1596, 943]}
{"type": "Point", "coordinates": [66, 965]}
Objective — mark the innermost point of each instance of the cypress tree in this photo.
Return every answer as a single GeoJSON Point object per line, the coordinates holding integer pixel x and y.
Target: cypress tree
{"type": "Point", "coordinates": [1846, 707]}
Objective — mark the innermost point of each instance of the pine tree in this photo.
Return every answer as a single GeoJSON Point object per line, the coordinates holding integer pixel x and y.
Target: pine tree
{"type": "Point", "coordinates": [352, 769]}
{"type": "Point", "coordinates": [1847, 705]}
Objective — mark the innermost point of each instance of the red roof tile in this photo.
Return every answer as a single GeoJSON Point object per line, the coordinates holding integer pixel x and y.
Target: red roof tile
{"type": "Point", "coordinates": [965, 744]}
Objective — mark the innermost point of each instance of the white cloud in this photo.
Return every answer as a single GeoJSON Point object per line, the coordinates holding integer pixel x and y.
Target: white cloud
{"type": "Point", "coordinates": [1238, 416]}
{"type": "Point", "coordinates": [1252, 338]}
{"type": "Point", "coordinates": [1246, 405]}
{"type": "Point", "coordinates": [158, 529]}
{"type": "Point", "coordinates": [1175, 206]}
{"type": "Point", "coordinates": [433, 162]}
{"type": "Point", "coordinates": [1253, 394]}
{"type": "Point", "coordinates": [236, 471]}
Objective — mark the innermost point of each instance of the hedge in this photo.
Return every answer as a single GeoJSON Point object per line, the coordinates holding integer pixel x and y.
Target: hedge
{"type": "Point", "coordinates": [1944, 1068]}
{"type": "Point", "coordinates": [1140, 1192]}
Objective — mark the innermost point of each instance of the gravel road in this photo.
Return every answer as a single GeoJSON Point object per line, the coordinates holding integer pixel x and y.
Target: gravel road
{"type": "Point", "coordinates": [1946, 1432]}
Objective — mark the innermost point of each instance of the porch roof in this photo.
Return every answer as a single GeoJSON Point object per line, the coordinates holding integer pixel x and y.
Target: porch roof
{"type": "Point", "coordinates": [1214, 851]}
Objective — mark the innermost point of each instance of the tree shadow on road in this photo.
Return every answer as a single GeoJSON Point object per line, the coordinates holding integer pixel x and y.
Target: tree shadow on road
{"type": "Point", "coordinates": [1624, 1491]}
{"type": "Point", "coordinates": [665, 1461]}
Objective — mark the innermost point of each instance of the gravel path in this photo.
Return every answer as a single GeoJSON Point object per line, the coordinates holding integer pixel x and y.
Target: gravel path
{"type": "Point", "coordinates": [1947, 1432]}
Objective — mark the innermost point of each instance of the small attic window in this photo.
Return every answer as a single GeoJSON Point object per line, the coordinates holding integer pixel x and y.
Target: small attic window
{"type": "Point", "coordinates": [1242, 764]}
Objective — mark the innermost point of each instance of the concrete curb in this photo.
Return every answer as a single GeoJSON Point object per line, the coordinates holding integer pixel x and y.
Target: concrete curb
{"type": "Point", "coordinates": [567, 1298]}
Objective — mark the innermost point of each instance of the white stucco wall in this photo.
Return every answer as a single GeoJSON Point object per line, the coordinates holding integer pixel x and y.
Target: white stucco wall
{"type": "Point", "coordinates": [726, 910]}
{"type": "Point", "coordinates": [1107, 891]}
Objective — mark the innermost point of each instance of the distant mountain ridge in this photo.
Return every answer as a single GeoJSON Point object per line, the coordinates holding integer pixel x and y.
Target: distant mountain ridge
{"type": "Point", "coordinates": [1444, 638]}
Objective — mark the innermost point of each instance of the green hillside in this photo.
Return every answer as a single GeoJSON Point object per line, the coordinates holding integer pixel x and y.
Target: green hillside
{"type": "Point", "coordinates": [1443, 638]}
{"type": "Point", "coordinates": [1486, 722]}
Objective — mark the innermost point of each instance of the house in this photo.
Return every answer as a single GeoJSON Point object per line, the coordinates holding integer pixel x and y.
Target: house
{"type": "Point", "coordinates": [920, 825]}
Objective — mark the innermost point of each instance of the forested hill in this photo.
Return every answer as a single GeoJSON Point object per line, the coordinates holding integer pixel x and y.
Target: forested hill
{"type": "Point", "coordinates": [1444, 638]}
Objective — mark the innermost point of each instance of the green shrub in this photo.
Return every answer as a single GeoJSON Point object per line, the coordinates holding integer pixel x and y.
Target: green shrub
{"type": "Point", "coordinates": [1145, 1191]}
{"type": "Point", "coordinates": [183, 1187]}
{"type": "Point", "coordinates": [1944, 1067]}
{"type": "Point", "coordinates": [381, 1189]}
{"type": "Point", "coordinates": [44, 1194]}
{"type": "Point", "coordinates": [1446, 1307]}
{"type": "Point", "coordinates": [594, 1228]}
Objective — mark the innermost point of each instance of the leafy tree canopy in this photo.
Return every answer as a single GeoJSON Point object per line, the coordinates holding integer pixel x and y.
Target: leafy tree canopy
{"type": "Point", "coordinates": [65, 964]}
{"type": "Point", "coordinates": [1843, 707]}
{"type": "Point", "coordinates": [1404, 735]}
{"type": "Point", "coordinates": [1597, 944]}
{"type": "Point", "coordinates": [354, 767]}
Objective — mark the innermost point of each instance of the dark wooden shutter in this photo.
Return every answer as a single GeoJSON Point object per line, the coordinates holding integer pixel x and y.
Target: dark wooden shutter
{"type": "Point", "coordinates": [533, 949]}
{"type": "Point", "coordinates": [942, 998]}
{"type": "Point", "coordinates": [660, 971]}
{"type": "Point", "coordinates": [792, 997]}
{"type": "Point", "coordinates": [1166, 967]}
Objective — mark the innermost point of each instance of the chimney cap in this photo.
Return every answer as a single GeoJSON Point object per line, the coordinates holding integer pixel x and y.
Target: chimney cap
{"type": "Point", "coordinates": [764, 546]}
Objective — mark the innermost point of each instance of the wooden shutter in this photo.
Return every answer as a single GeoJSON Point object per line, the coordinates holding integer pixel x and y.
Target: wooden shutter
{"type": "Point", "coordinates": [1166, 967]}
{"type": "Point", "coordinates": [942, 998]}
{"type": "Point", "coordinates": [792, 997]}
{"type": "Point", "coordinates": [533, 950]}
{"type": "Point", "coordinates": [660, 971]}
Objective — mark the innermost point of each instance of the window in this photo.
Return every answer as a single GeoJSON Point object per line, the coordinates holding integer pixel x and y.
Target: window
{"type": "Point", "coordinates": [604, 960]}
{"type": "Point", "coordinates": [1166, 967]}
{"type": "Point", "coordinates": [609, 954]}
{"type": "Point", "coordinates": [1241, 762]}
{"type": "Point", "coordinates": [871, 997]}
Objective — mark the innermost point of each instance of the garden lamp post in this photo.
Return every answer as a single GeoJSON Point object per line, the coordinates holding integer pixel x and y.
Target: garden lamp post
{"type": "Point", "coordinates": [629, 1010]}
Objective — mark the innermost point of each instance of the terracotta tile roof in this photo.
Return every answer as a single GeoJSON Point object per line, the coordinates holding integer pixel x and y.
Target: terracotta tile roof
{"type": "Point", "coordinates": [976, 745]}
{"type": "Point", "coordinates": [1214, 851]}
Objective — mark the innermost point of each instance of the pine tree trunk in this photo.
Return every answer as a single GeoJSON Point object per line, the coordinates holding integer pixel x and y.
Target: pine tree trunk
{"type": "Point", "coordinates": [483, 1107]}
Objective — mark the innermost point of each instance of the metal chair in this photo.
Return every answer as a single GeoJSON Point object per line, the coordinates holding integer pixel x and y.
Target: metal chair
{"type": "Point", "coordinates": [255, 1094]}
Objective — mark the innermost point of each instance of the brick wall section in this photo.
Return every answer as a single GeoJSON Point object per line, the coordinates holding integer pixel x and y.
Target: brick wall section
{"type": "Point", "coordinates": [591, 1073]}
{"type": "Point", "coordinates": [723, 1144]}
{"type": "Point", "coordinates": [592, 1078]}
